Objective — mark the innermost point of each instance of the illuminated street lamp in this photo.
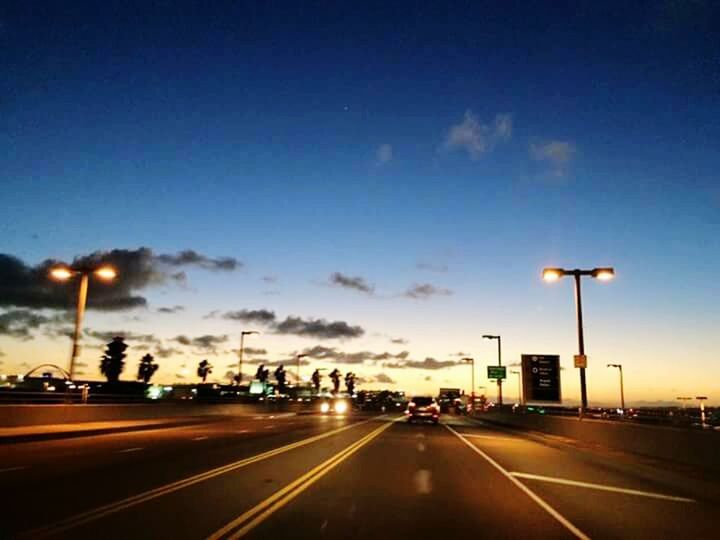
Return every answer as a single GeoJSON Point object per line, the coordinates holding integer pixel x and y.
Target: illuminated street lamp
{"type": "Point", "coordinates": [622, 389]}
{"type": "Point", "coordinates": [297, 361]}
{"type": "Point", "coordinates": [702, 399]}
{"type": "Point", "coordinates": [603, 274]}
{"type": "Point", "coordinates": [240, 354]}
{"type": "Point", "coordinates": [520, 399]}
{"type": "Point", "coordinates": [65, 273]}
{"type": "Point", "coordinates": [499, 381]}
{"type": "Point", "coordinates": [471, 361]}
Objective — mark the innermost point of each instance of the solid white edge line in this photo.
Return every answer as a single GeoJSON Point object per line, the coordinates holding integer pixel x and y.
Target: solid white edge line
{"type": "Point", "coordinates": [490, 437]}
{"type": "Point", "coordinates": [601, 487]}
{"type": "Point", "coordinates": [545, 506]}
{"type": "Point", "coordinates": [128, 450]}
{"type": "Point", "coordinates": [9, 469]}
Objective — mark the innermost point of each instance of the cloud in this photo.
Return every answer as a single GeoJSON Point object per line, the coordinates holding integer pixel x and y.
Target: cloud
{"type": "Point", "coordinates": [351, 282]}
{"type": "Point", "coordinates": [174, 309]}
{"type": "Point", "coordinates": [384, 154]}
{"type": "Point", "coordinates": [252, 351]}
{"type": "Point", "coordinates": [383, 378]}
{"type": "Point", "coordinates": [167, 352]}
{"type": "Point", "coordinates": [270, 279]}
{"type": "Point", "coordinates": [428, 363]}
{"type": "Point", "coordinates": [428, 378]}
{"type": "Point", "coordinates": [191, 257]}
{"type": "Point", "coordinates": [207, 344]}
{"type": "Point", "coordinates": [107, 336]}
{"type": "Point", "coordinates": [475, 138]}
{"type": "Point", "coordinates": [321, 352]}
{"type": "Point", "coordinates": [317, 328]}
{"type": "Point", "coordinates": [432, 267]}
{"type": "Point", "coordinates": [23, 285]}
{"type": "Point", "coordinates": [260, 316]}
{"type": "Point", "coordinates": [399, 341]}
{"type": "Point", "coordinates": [17, 323]}
{"type": "Point", "coordinates": [557, 154]}
{"type": "Point", "coordinates": [426, 290]}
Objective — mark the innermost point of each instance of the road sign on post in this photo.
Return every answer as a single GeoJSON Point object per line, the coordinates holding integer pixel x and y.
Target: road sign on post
{"type": "Point", "coordinates": [541, 378]}
{"type": "Point", "coordinates": [496, 372]}
{"type": "Point", "coordinates": [580, 360]}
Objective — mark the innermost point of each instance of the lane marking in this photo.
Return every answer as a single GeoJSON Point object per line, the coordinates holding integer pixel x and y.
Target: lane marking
{"type": "Point", "coordinates": [478, 436]}
{"type": "Point", "coordinates": [545, 506]}
{"type": "Point", "coordinates": [601, 487]}
{"type": "Point", "coordinates": [260, 512]}
{"type": "Point", "coordinates": [112, 508]}
{"type": "Point", "coordinates": [201, 438]}
{"type": "Point", "coordinates": [129, 450]}
{"type": "Point", "coordinates": [9, 469]}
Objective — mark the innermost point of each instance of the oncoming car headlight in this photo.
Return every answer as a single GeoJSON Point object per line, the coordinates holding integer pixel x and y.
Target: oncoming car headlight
{"type": "Point", "coordinates": [324, 407]}
{"type": "Point", "coordinates": [341, 407]}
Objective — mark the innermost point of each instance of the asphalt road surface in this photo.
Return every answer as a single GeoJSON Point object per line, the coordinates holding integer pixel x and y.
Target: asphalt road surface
{"type": "Point", "coordinates": [285, 476]}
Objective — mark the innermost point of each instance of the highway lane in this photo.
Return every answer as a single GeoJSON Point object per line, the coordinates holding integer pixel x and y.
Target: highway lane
{"type": "Point", "coordinates": [50, 480]}
{"type": "Point", "coordinates": [376, 478]}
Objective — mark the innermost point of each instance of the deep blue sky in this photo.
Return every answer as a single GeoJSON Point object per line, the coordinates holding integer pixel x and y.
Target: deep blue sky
{"type": "Point", "coordinates": [253, 130]}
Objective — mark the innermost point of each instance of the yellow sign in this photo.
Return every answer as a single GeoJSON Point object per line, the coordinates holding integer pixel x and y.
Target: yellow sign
{"type": "Point", "coordinates": [580, 361]}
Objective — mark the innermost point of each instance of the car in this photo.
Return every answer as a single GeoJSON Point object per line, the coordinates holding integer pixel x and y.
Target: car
{"type": "Point", "coordinates": [423, 408]}
{"type": "Point", "coordinates": [339, 406]}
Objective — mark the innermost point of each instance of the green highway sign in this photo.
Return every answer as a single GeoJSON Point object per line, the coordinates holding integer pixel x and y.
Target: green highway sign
{"type": "Point", "coordinates": [497, 372]}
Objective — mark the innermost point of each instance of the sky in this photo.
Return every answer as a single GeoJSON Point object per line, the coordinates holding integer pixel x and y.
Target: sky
{"type": "Point", "coordinates": [377, 183]}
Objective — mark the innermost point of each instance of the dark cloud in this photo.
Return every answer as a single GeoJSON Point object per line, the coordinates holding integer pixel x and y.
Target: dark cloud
{"type": "Point", "coordinates": [167, 352]}
{"type": "Point", "coordinates": [18, 323]}
{"type": "Point", "coordinates": [399, 341]}
{"type": "Point", "coordinates": [432, 267]}
{"type": "Point", "coordinates": [428, 363]}
{"type": "Point", "coordinates": [317, 328]}
{"type": "Point", "coordinates": [252, 351]}
{"type": "Point", "coordinates": [428, 378]}
{"type": "Point", "coordinates": [385, 379]}
{"type": "Point", "coordinates": [426, 290]}
{"type": "Point", "coordinates": [269, 279]}
{"type": "Point", "coordinates": [129, 337]}
{"type": "Point", "coordinates": [207, 344]}
{"type": "Point", "coordinates": [351, 282]}
{"type": "Point", "coordinates": [320, 352]}
{"type": "Point", "coordinates": [260, 316]}
{"type": "Point", "coordinates": [174, 309]}
{"type": "Point", "coordinates": [193, 258]}
{"type": "Point", "coordinates": [23, 285]}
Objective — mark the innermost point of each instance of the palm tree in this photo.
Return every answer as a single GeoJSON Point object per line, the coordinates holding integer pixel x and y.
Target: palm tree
{"type": "Point", "coordinates": [113, 361]}
{"type": "Point", "coordinates": [147, 368]}
{"type": "Point", "coordinates": [204, 369]}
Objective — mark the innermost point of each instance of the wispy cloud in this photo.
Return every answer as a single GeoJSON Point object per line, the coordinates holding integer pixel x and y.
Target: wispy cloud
{"type": "Point", "coordinates": [432, 267]}
{"type": "Point", "coordinates": [428, 363]}
{"type": "Point", "coordinates": [173, 309]}
{"type": "Point", "coordinates": [421, 291]}
{"type": "Point", "coordinates": [475, 138]}
{"type": "Point", "coordinates": [557, 154]}
{"type": "Point", "coordinates": [351, 282]}
{"type": "Point", "coordinates": [384, 154]}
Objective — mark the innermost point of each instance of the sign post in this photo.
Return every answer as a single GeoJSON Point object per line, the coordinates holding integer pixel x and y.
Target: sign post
{"type": "Point", "coordinates": [541, 378]}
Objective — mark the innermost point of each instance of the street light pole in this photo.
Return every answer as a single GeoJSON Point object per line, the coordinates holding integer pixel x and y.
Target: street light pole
{"type": "Point", "coordinates": [622, 389]}
{"type": "Point", "coordinates": [520, 400]}
{"type": "Point", "coordinates": [64, 273]}
{"type": "Point", "coordinates": [242, 348]}
{"type": "Point", "coordinates": [297, 360]}
{"type": "Point", "coordinates": [471, 361]}
{"type": "Point", "coordinates": [499, 381]}
{"type": "Point", "coordinates": [604, 274]}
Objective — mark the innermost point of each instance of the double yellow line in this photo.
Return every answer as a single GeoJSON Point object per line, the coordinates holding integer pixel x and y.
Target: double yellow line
{"type": "Point", "coordinates": [108, 509]}
{"type": "Point", "coordinates": [242, 525]}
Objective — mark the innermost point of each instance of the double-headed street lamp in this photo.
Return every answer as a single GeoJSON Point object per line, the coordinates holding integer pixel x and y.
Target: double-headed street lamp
{"type": "Point", "coordinates": [240, 354]}
{"type": "Point", "coordinates": [622, 388]}
{"type": "Point", "coordinates": [499, 381]}
{"type": "Point", "coordinates": [471, 361]}
{"type": "Point", "coordinates": [603, 274]}
{"type": "Point", "coordinates": [65, 273]}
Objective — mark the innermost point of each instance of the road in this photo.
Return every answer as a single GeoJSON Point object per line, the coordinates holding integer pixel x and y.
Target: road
{"type": "Point", "coordinates": [364, 477]}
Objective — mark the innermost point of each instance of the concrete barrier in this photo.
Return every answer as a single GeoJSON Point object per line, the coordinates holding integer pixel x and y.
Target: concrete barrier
{"type": "Point", "coordinates": [692, 447]}
{"type": "Point", "coordinates": [33, 415]}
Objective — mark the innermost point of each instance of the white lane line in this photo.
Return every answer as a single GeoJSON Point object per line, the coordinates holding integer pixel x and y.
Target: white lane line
{"type": "Point", "coordinates": [200, 438]}
{"type": "Point", "coordinates": [245, 431]}
{"type": "Point", "coordinates": [492, 437]}
{"type": "Point", "coordinates": [601, 487]}
{"type": "Point", "coordinates": [128, 450]}
{"type": "Point", "coordinates": [545, 506]}
{"type": "Point", "coordinates": [9, 469]}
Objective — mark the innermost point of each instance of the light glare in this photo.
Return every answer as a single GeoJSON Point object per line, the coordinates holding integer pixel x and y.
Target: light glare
{"type": "Point", "coordinates": [106, 272]}
{"type": "Point", "coordinates": [61, 273]}
{"type": "Point", "coordinates": [551, 274]}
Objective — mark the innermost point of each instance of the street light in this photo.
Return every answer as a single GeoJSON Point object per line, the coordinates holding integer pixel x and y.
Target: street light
{"type": "Point", "coordinates": [471, 361]}
{"type": "Point", "coordinates": [242, 347]}
{"type": "Point", "coordinates": [297, 360]}
{"type": "Point", "coordinates": [65, 273]}
{"type": "Point", "coordinates": [604, 274]}
{"type": "Point", "coordinates": [499, 381]}
{"type": "Point", "coordinates": [622, 389]}
{"type": "Point", "coordinates": [520, 399]}
{"type": "Point", "coordinates": [702, 399]}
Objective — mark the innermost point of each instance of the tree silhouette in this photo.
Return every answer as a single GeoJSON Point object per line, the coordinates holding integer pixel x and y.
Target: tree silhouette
{"type": "Point", "coordinates": [147, 368]}
{"type": "Point", "coordinates": [204, 369]}
{"type": "Point", "coordinates": [113, 361]}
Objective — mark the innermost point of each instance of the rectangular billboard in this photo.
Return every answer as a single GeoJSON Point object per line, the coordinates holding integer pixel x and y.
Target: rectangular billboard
{"type": "Point", "coordinates": [541, 378]}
